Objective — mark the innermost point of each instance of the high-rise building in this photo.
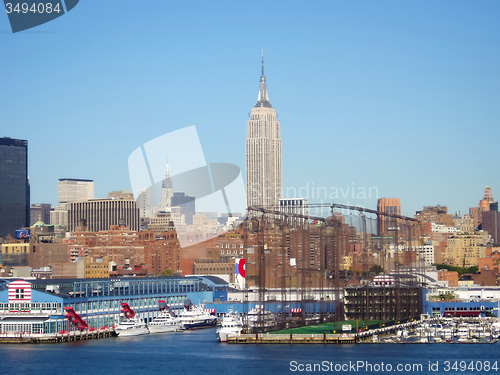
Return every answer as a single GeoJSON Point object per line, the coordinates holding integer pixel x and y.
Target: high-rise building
{"type": "Point", "coordinates": [14, 186]}
{"type": "Point", "coordinates": [491, 224]}
{"type": "Point", "coordinates": [144, 203]}
{"type": "Point", "coordinates": [294, 206]}
{"type": "Point", "coordinates": [75, 190]}
{"type": "Point", "coordinates": [167, 191]}
{"type": "Point", "coordinates": [100, 214]}
{"type": "Point", "coordinates": [484, 206]}
{"type": "Point", "coordinates": [389, 206]}
{"type": "Point", "coordinates": [40, 212]}
{"type": "Point", "coordinates": [435, 214]}
{"type": "Point", "coordinates": [187, 205]}
{"type": "Point", "coordinates": [263, 152]}
{"type": "Point", "coordinates": [488, 196]}
{"type": "Point", "coordinates": [490, 219]}
{"type": "Point", "coordinates": [70, 190]}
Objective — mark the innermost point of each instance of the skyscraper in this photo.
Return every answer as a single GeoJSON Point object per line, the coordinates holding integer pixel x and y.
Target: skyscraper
{"type": "Point", "coordinates": [187, 205]}
{"type": "Point", "coordinates": [263, 152]}
{"type": "Point", "coordinates": [100, 214]}
{"type": "Point", "coordinates": [75, 190]}
{"type": "Point", "coordinates": [14, 186]}
{"type": "Point", "coordinates": [167, 191]}
{"type": "Point", "coordinates": [390, 206]}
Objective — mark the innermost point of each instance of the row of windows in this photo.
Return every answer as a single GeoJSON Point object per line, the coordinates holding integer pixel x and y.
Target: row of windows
{"type": "Point", "coordinates": [134, 303]}
{"type": "Point", "coordinates": [234, 252]}
{"type": "Point", "coordinates": [15, 249]}
{"type": "Point", "coordinates": [458, 308]}
{"type": "Point", "coordinates": [27, 306]}
{"type": "Point", "coordinates": [234, 246]}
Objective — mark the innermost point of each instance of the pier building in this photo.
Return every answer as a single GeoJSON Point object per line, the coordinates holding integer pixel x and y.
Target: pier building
{"type": "Point", "coordinates": [38, 306]}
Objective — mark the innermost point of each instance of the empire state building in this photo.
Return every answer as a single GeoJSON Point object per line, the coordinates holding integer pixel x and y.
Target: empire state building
{"type": "Point", "coordinates": [263, 152]}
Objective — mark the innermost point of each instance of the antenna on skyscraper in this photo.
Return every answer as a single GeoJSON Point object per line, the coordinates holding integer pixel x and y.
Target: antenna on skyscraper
{"type": "Point", "coordinates": [262, 62]}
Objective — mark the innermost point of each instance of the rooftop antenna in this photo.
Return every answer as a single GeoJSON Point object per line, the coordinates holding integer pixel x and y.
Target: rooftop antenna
{"type": "Point", "coordinates": [262, 62]}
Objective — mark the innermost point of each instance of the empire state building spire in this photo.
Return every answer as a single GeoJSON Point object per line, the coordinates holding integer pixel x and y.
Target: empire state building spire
{"type": "Point", "coordinates": [263, 100]}
{"type": "Point", "coordinates": [263, 152]}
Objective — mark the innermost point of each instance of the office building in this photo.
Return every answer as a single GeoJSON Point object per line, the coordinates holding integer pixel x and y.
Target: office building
{"type": "Point", "coordinates": [144, 203]}
{"type": "Point", "coordinates": [391, 206]}
{"type": "Point", "coordinates": [167, 191]}
{"type": "Point", "coordinates": [435, 214]}
{"type": "Point", "coordinates": [294, 206]}
{"type": "Point", "coordinates": [40, 212]}
{"type": "Point", "coordinates": [99, 214]}
{"type": "Point", "coordinates": [263, 152]}
{"type": "Point", "coordinates": [491, 224]}
{"type": "Point", "coordinates": [75, 190]}
{"type": "Point", "coordinates": [187, 205]}
{"type": "Point", "coordinates": [14, 186]}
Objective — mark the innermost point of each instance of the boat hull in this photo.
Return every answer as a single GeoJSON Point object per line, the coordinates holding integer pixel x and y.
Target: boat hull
{"type": "Point", "coordinates": [198, 325]}
{"type": "Point", "coordinates": [163, 328]}
{"type": "Point", "coordinates": [222, 336]}
{"type": "Point", "coordinates": [132, 331]}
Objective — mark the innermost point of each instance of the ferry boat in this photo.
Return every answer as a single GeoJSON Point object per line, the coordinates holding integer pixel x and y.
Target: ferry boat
{"type": "Point", "coordinates": [131, 325]}
{"type": "Point", "coordinates": [231, 325]}
{"type": "Point", "coordinates": [194, 317]}
{"type": "Point", "coordinates": [166, 321]}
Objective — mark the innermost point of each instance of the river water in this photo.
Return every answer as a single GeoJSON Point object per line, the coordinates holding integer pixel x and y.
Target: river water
{"type": "Point", "coordinates": [198, 352]}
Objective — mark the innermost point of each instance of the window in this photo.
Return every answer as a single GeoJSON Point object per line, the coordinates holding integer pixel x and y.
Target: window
{"type": "Point", "coordinates": [19, 293]}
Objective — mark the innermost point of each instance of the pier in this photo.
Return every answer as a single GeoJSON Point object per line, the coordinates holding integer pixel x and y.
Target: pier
{"type": "Point", "coordinates": [57, 337]}
{"type": "Point", "coordinates": [292, 339]}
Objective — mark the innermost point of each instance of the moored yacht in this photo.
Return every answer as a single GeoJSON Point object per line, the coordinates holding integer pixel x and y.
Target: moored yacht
{"type": "Point", "coordinates": [261, 318]}
{"type": "Point", "coordinates": [194, 317]}
{"type": "Point", "coordinates": [166, 321]}
{"type": "Point", "coordinates": [231, 325]}
{"type": "Point", "coordinates": [131, 325]}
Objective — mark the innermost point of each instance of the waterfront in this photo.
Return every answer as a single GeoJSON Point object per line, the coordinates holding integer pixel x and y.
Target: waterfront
{"type": "Point", "coordinates": [197, 352]}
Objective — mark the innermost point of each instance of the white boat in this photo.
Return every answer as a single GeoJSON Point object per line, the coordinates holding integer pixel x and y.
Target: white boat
{"type": "Point", "coordinates": [194, 317]}
{"type": "Point", "coordinates": [463, 331]}
{"type": "Point", "coordinates": [164, 322]}
{"type": "Point", "coordinates": [261, 318]}
{"type": "Point", "coordinates": [131, 325]}
{"type": "Point", "coordinates": [231, 325]}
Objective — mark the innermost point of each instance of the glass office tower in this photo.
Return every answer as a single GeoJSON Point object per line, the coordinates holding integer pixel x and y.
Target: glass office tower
{"type": "Point", "coordinates": [14, 186]}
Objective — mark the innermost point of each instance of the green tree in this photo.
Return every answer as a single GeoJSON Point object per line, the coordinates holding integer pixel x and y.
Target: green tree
{"type": "Point", "coordinates": [376, 269]}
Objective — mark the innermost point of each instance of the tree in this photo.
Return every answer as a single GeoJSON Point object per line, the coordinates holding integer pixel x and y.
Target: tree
{"type": "Point", "coordinates": [459, 270]}
{"type": "Point", "coordinates": [376, 269]}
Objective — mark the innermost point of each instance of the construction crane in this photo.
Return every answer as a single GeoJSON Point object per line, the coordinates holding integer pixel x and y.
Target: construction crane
{"type": "Point", "coordinates": [321, 252]}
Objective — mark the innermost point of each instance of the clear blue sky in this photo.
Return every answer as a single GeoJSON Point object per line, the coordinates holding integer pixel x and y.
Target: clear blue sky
{"type": "Point", "coordinates": [395, 95]}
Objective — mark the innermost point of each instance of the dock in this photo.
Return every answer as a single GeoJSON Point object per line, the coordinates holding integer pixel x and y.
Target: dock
{"type": "Point", "coordinates": [56, 337]}
{"type": "Point", "coordinates": [259, 338]}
